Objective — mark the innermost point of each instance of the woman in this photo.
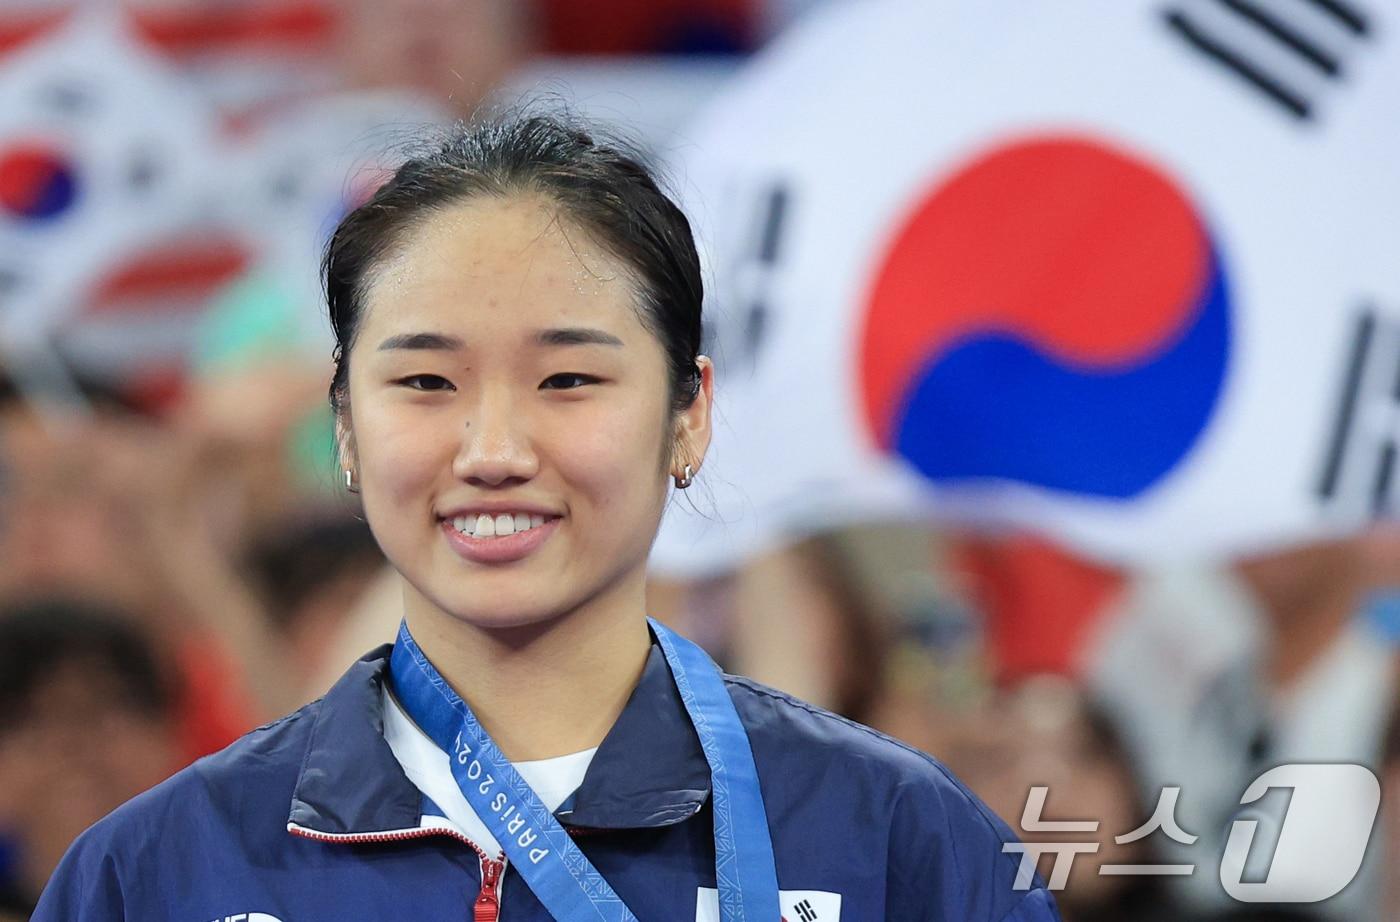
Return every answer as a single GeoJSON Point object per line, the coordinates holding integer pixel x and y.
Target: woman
{"type": "Point", "coordinates": [518, 383]}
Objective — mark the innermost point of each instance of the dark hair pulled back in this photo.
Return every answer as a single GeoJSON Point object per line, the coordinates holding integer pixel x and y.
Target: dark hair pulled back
{"type": "Point", "coordinates": [601, 185]}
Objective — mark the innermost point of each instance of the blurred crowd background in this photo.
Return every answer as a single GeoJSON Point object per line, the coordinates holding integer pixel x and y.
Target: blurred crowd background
{"type": "Point", "coordinates": [1057, 414]}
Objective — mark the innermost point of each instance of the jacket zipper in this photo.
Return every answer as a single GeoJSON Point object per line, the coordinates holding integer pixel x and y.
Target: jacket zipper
{"type": "Point", "coordinates": [488, 901]}
{"type": "Point", "coordinates": [487, 907]}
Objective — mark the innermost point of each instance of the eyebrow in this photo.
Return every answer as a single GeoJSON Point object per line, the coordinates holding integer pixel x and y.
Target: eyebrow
{"type": "Point", "coordinates": [577, 336]}
{"type": "Point", "coordinates": [421, 341]}
{"type": "Point", "coordinates": [563, 336]}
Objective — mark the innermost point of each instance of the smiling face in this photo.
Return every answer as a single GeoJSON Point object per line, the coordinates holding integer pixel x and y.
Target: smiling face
{"type": "Point", "coordinates": [502, 381]}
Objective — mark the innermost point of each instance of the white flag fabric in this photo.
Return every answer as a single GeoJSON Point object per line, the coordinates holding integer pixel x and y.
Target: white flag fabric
{"type": "Point", "coordinates": [115, 218]}
{"type": "Point", "coordinates": [1121, 273]}
{"type": "Point", "coordinates": [302, 168]}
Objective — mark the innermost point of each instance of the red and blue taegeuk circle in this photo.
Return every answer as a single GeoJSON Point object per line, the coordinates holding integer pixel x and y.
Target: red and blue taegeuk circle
{"type": "Point", "coordinates": [1054, 313]}
{"type": "Point", "coordinates": [37, 182]}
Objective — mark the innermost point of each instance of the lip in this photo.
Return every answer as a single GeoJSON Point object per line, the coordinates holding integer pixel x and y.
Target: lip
{"type": "Point", "coordinates": [505, 549]}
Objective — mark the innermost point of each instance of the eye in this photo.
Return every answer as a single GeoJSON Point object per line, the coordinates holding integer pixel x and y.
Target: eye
{"type": "Point", "coordinates": [426, 383]}
{"type": "Point", "coordinates": [567, 381]}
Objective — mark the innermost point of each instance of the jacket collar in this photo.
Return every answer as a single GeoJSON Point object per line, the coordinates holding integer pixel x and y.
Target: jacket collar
{"type": "Point", "coordinates": [649, 770]}
{"type": "Point", "coordinates": [350, 783]}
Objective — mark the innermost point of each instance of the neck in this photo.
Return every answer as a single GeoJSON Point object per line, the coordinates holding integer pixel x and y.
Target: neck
{"type": "Point", "coordinates": [540, 690]}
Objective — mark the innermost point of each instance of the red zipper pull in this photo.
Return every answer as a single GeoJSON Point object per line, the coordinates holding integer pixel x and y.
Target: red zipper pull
{"type": "Point", "coordinates": [488, 901]}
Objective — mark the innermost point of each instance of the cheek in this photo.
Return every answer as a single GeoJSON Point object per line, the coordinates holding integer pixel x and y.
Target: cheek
{"type": "Point", "coordinates": [616, 453]}
{"type": "Point", "coordinates": [398, 452]}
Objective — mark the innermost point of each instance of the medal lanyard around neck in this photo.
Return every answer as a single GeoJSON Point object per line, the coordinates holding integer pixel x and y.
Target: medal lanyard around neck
{"type": "Point", "coordinates": [554, 868]}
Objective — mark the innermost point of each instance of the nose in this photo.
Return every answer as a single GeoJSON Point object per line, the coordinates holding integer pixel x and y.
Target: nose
{"type": "Point", "coordinates": [496, 449]}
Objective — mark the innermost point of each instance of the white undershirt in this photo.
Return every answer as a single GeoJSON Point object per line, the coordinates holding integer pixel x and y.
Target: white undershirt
{"type": "Point", "coordinates": [430, 769]}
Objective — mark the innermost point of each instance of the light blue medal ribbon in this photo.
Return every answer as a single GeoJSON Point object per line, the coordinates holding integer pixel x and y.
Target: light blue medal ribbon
{"type": "Point", "coordinates": [554, 868]}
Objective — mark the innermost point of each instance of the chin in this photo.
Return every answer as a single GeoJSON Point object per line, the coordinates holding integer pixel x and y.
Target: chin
{"type": "Point", "coordinates": [504, 612]}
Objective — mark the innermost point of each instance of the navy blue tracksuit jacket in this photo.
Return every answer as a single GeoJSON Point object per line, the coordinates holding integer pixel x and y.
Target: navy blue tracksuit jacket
{"type": "Point", "coordinates": [312, 819]}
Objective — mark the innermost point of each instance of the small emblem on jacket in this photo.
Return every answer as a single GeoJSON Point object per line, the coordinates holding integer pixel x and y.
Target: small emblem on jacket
{"type": "Point", "coordinates": [248, 917]}
{"type": "Point", "coordinates": [797, 905]}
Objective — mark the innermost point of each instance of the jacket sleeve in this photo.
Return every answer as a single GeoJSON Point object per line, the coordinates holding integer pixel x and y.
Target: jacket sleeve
{"type": "Point", "coordinates": [947, 861]}
{"type": "Point", "coordinates": [85, 886]}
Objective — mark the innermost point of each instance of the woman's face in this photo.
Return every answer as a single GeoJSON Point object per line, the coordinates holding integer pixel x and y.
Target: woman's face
{"type": "Point", "coordinates": [501, 381]}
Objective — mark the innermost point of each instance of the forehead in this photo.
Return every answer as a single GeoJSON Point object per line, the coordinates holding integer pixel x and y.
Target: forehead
{"type": "Point", "coordinates": [492, 266]}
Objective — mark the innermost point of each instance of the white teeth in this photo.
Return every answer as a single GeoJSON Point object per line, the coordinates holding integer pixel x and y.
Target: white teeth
{"type": "Point", "coordinates": [495, 526]}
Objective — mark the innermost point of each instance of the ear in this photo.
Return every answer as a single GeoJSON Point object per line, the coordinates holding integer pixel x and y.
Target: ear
{"type": "Point", "coordinates": [345, 454]}
{"type": "Point", "coordinates": [693, 423]}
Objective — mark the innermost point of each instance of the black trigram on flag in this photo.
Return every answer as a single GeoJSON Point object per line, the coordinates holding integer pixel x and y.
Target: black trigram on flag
{"type": "Point", "coordinates": [750, 265]}
{"type": "Point", "coordinates": [805, 912]}
{"type": "Point", "coordinates": [1359, 466]}
{"type": "Point", "coordinates": [1291, 51]}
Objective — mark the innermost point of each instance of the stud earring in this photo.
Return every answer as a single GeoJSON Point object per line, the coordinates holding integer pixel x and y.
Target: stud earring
{"type": "Point", "coordinates": [351, 483]}
{"type": "Point", "coordinates": [685, 479]}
